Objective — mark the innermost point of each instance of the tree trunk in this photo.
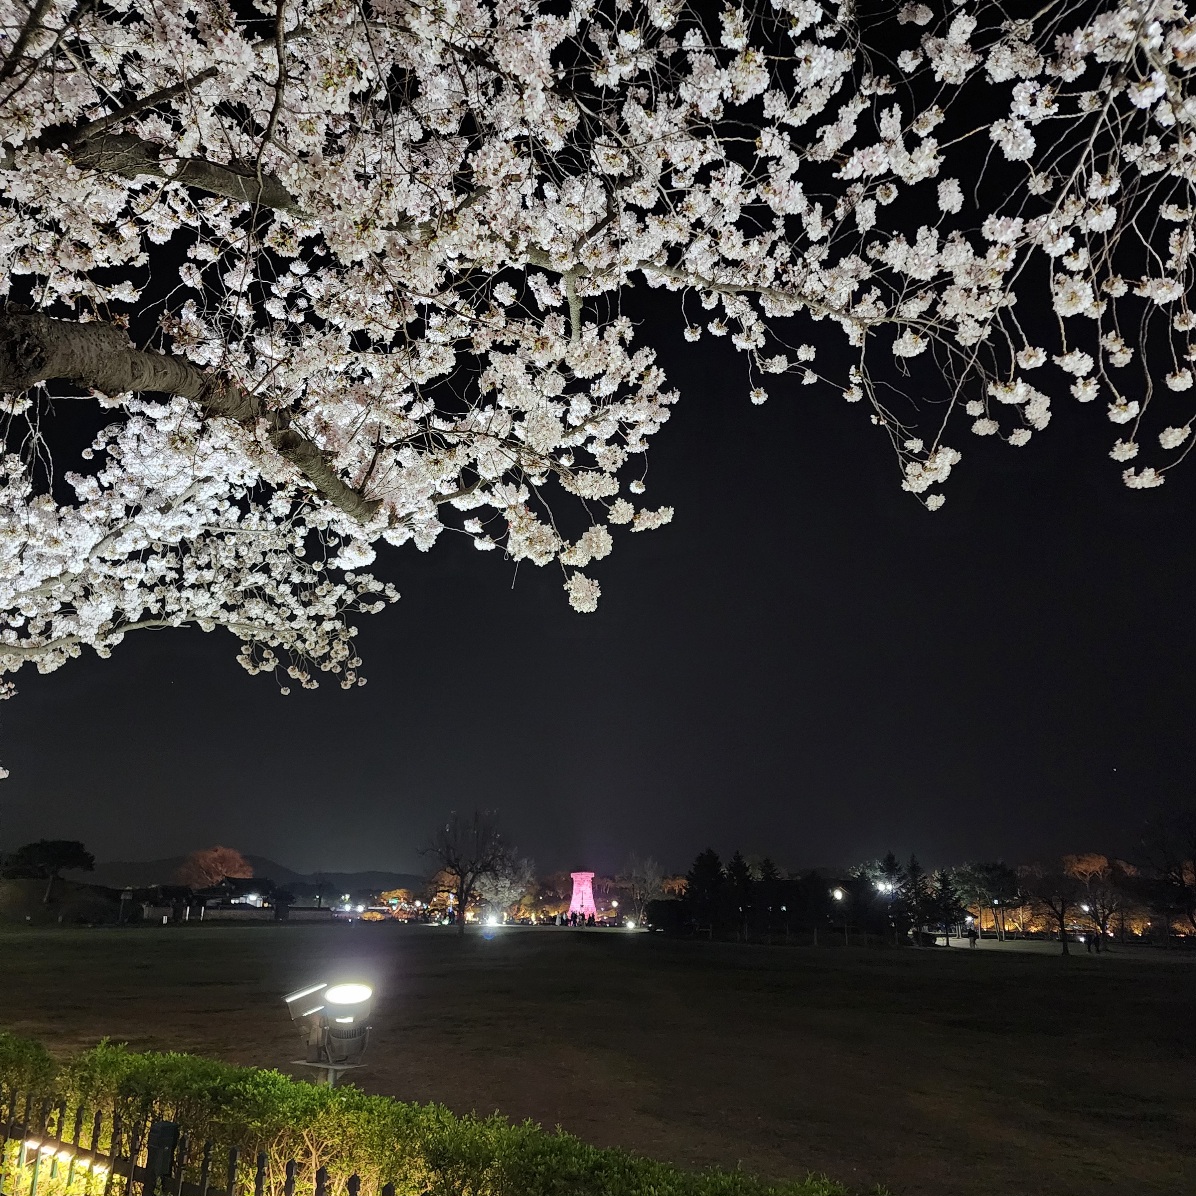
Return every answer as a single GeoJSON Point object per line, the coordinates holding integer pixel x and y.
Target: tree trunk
{"type": "Point", "coordinates": [49, 888]}
{"type": "Point", "coordinates": [1063, 930]}
{"type": "Point", "coordinates": [36, 348]}
{"type": "Point", "coordinates": [462, 896]}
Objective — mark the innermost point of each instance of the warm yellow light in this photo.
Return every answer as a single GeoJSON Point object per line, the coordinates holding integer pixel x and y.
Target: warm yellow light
{"type": "Point", "coordinates": [348, 994]}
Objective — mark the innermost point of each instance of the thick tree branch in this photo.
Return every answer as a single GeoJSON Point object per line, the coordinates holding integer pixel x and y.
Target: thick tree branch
{"type": "Point", "coordinates": [36, 348]}
{"type": "Point", "coordinates": [32, 24]}
{"type": "Point", "coordinates": [131, 156]}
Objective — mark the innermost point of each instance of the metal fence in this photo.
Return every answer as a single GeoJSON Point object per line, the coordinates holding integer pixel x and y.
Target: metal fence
{"type": "Point", "coordinates": [47, 1151]}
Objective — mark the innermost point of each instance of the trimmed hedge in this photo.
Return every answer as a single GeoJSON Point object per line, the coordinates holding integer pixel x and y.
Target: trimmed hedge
{"type": "Point", "coordinates": [424, 1150]}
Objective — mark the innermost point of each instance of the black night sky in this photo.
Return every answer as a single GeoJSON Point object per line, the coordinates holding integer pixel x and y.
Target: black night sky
{"type": "Point", "coordinates": [805, 664]}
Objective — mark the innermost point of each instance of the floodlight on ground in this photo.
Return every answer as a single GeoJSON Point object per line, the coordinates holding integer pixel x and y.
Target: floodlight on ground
{"type": "Point", "coordinates": [335, 1027]}
{"type": "Point", "coordinates": [630, 923]}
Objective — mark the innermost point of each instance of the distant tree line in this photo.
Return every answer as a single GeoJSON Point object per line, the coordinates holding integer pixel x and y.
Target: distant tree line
{"type": "Point", "coordinates": [1089, 895]}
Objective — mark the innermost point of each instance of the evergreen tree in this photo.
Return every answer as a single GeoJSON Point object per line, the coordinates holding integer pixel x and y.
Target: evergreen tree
{"type": "Point", "coordinates": [703, 888]}
{"type": "Point", "coordinates": [740, 888]}
{"type": "Point", "coordinates": [890, 884]}
{"type": "Point", "coordinates": [769, 872]}
{"type": "Point", "coordinates": [915, 893]}
{"type": "Point", "coordinates": [945, 906]}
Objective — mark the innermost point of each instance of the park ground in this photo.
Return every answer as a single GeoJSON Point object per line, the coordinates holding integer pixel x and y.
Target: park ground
{"type": "Point", "coordinates": [931, 1072]}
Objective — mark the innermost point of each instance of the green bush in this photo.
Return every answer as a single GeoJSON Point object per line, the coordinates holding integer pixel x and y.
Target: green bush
{"type": "Point", "coordinates": [424, 1150]}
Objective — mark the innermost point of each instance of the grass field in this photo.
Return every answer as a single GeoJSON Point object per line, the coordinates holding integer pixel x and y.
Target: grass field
{"type": "Point", "coordinates": [931, 1072]}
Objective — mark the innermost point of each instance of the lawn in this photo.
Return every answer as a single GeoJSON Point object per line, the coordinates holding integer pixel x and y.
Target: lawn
{"type": "Point", "coordinates": [932, 1072]}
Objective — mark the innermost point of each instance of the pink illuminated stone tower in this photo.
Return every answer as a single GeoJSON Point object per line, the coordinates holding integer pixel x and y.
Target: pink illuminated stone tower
{"type": "Point", "coordinates": [583, 894]}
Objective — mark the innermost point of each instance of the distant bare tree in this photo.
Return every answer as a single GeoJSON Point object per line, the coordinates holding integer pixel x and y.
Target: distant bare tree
{"type": "Point", "coordinates": [471, 850]}
{"type": "Point", "coordinates": [1054, 892]}
{"type": "Point", "coordinates": [1171, 846]}
{"type": "Point", "coordinates": [210, 865]}
{"type": "Point", "coordinates": [642, 879]}
{"type": "Point", "coordinates": [1105, 889]}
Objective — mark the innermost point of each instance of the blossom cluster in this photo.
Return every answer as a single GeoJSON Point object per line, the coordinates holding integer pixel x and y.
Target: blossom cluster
{"type": "Point", "coordinates": [408, 228]}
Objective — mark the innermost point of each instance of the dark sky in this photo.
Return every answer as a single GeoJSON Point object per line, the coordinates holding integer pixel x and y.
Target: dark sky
{"type": "Point", "coordinates": [805, 664]}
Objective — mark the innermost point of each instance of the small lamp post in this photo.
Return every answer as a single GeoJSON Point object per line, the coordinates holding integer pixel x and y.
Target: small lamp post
{"type": "Point", "coordinates": [841, 896]}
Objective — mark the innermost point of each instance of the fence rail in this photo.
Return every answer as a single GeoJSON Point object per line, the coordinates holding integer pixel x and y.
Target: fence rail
{"type": "Point", "coordinates": [151, 1156]}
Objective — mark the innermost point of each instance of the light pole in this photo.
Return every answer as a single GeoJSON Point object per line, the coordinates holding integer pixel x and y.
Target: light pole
{"type": "Point", "coordinates": [840, 896]}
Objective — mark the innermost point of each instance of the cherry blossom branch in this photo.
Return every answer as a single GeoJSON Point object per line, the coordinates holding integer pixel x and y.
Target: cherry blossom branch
{"type": "Point", "coordinates": [32, 24]}
{"type": "Point", "coordinates": [36, 348]}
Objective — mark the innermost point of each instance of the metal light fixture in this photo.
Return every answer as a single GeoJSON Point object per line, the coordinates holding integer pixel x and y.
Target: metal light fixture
{"type": "Point", "coordinates": [334, 1024]}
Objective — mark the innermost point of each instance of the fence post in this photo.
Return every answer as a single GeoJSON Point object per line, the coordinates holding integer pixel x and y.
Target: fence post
{"type": "Point", "coordinates": [113, 1151]}
{"type": "Point", "coordinates": [76, 1135]}
{"type": "Point", "coordinates": [230, 1188]}
{"type": "Point", "coordinates": [322, 1182]}
{"type": "Point", "coordinates": [259, 1175]}
{"type": "Point", "coordinates": [134, 1153]}
{"type": "Point", "coordinates": [59, 1122]}
{"type": "Point", "coordinates": [159, 1154]}
{"type": "Point", "coordinates": [354, 1184]}
{"type": "Point", "coordinates": [288, 1187]}
{"type": "Point", "coordinates": [9, 1127]}
{"type": "Point", "coordinates": [205, 1169]}
{"type": "Point", "coordinates": [181, 1163]}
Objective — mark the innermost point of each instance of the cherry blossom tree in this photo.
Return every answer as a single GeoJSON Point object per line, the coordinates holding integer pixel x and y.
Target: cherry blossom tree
{"type": "Point", "coordinates": [339, 275]}
{"type": "Point", "coordinates": [210, 865]}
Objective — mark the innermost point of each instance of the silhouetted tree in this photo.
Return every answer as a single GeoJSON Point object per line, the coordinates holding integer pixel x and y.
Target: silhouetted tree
{"type": "Point", "coordinates": [890, 880]}
{"type": "Point", "coordinates": [944, 903]}
{"type": "Point", "coordinates": [1055, 893]}
{"type": "Point", "coordinates": [469, 850]}
{"type": "Point", "coordinates": [740, 887]}
{"type": "Point", "coordinates": [641, 880]}
{"type": "Point", "coordinates": [1106, 889]}
{"type": "Point", "coordinates": [992, 886]}
{"type": "Point", "coordinates": [1171, 849]}
{"type": "Point", "coordinates": [915, 896]}
{"type": "Point", "coordinates": [704, 888]}
{"type": "Point", "coordinates": [46, 858]}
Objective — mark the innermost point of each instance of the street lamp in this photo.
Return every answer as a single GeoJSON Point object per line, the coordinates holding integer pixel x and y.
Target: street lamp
{"type": "Point", "coordinates": [839, 895]}
{"type": "Point", "coordinates": [333, 1022]}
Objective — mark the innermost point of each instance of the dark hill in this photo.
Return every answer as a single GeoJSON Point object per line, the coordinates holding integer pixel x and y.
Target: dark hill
{"type": "Point", "coordinates": [138, 874]}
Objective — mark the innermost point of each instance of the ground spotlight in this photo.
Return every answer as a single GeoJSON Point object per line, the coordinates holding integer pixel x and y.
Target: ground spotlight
{"type": "Point", "coordinates": [333, 1021]}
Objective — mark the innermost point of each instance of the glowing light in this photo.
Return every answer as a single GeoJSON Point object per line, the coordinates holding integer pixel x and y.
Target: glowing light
{"type": "Point", "coordinates": [313, 1009]}
{"type": "Point", "coordinates": [614, 905]}
{"type": "Point", "coordinates": [342, 1020]}
{"type": "Point", "coordinates": [492, 920]}
{"type": "Point", "coordinates": [630, 923]}
{"type": "Point", "coordinates": [838, 894]}
{"type": "Point", "coordinates": [360, 908]}
{"type": "Point", "coordinates": [348, 994]}
{"type": "Point", "coordinates": [1085, 908]}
